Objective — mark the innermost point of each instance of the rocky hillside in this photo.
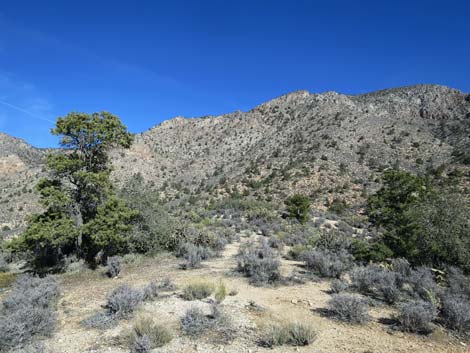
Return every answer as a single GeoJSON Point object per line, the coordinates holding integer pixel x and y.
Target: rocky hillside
{"type": "Point", "coordinates": [330, 146]}
{"type": "Point", "coordinates": [20, 168]}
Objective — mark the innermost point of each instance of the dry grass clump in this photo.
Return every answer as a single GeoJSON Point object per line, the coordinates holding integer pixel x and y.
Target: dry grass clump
{"type": "Point", "coordinates": [146, 332]}
{"type": "Point", "coordinates": [287, 333]}
{"type": "Point", "coordinates": [197, 290]}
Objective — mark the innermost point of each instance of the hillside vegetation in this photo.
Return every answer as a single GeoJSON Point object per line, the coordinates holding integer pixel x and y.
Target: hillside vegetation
{"type": "Point", "coordinates": [349, 212]}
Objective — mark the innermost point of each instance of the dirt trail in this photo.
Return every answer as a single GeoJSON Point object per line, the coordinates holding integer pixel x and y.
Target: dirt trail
{"type": "Point", "coordinates": [85, 293]}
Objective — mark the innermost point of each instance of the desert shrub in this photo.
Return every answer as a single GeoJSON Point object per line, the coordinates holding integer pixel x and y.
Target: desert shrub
{"type": "Point", "coordinates": [459, 284]}
{"type": "Point", "coordinates": [141, 344]}
{"type": "Point", "coordinates": [260, 263]}
{"type": "Point", "coordinates": [349, 308]}
{"type": "Point", "coordinates": [416, 316]}
{"type": "Point", "coordinates": [101, 320]}
{"type": "Point", "coordinates": [166, 284]}
{"type": "Point", "coordinates": [197, 290]}
{"type": "Point", "coordinates": [113, 266]}
{"type": "Point", "coordinates": [145, 326]}
{"type": "Point", "coordinates": [28, 311]}
{"type": "Point", "coordinates": [423, 284]}
{"type": "Point", "coordinates": [30, 290]}
{"type": "Point", "coordinates": [194, 322]}
{"type": "Point", "coordinates": [333, 240]}
{"type": "Point", "coordinates": [150, 292]}
{"type": "Point", "coordinates": [300, 234]}
{"type": "Point", "coordinates": [377, 281]}
{"type": "Point", "coordinates": [3, 263]}
{"type": "Point", "coordinates": [123, 300]}
{"type": "Point", "coordinates": [402, 268]}
{"type": "Point", "coordinates": [275, 243]}
{"type": "Point", "coordinates": [30, 348]}
{"type": "Point", "coordinates": [326, 263]}
{"type": "Point", "coordinates": [194, 254]}
{"type": "Point", "coordinates": [338, 286]}
{"type": "Point", "coordinates": [295, 334]}
{"type": "Point", "coordinates": [297, 252]}
{"type": "Point", "coordinates": [455, 311]}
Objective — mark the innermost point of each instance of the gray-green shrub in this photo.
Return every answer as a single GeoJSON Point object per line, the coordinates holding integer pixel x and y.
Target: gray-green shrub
{"type": "Point", "coordinates": [455, 311]}
{"type": "Point", "coordinates": [350, 308]}
{"type": "Point", "coordinates": [416, 316]}
{"type": "Point", "coordinates": [28, 311]}
{"type": "Point", "coordinates": [377, 281]}
{"type": "Point", "coordinates": [260, 263]}
{"type": "Point", "coordinates": [123, 300]}
{"type": "Point", "coordinates": [326, 263]}
{"type": "Point", "coordinates": [113, 266]}
{"type": "Point", "coordinates": [195, 323]}
{"type": "Point", "coordinates": [338, 286]}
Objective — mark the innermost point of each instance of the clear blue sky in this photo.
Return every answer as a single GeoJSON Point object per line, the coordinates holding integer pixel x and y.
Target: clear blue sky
{"type": "Point", "coordinates": [147, 61]}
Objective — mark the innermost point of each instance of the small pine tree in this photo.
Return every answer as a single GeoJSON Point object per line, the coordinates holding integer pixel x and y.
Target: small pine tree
{"type": "Point", "coordinates": [82, 216]}
{"type": "Point", "coordinates": [297, 207]}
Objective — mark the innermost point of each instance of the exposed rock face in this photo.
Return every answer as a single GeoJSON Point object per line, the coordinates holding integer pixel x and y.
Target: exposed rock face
{"type": "Point", "coordinates": [330, 145]}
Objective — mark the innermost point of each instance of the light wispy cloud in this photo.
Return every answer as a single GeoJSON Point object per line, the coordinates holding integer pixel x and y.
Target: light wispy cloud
{"type": "Point", "coordinates": [18, 96]}
{"type": "Point", "coordinates": [27, 112]}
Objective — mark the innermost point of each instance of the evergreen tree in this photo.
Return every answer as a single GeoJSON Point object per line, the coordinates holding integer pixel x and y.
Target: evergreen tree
{"type": "Point", "coordinates": [297, 207]}
{"type": "Point", "coordinates": [82, 215]}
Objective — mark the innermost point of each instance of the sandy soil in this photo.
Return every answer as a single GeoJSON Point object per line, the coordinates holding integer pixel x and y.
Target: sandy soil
{"type": "Point", "coordinates": [85, 292]}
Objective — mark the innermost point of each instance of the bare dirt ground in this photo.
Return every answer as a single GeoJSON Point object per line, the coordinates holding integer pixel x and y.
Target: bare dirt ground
{"type": "Point", "coordinates": [85, 292]}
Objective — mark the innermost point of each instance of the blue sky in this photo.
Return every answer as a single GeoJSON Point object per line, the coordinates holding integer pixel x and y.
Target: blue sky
{"type": "Point", "coordinates": [148, 61]}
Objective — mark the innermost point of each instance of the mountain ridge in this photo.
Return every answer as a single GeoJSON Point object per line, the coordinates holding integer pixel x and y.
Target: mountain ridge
{"type": "Point", "coordinates": [327, 145]}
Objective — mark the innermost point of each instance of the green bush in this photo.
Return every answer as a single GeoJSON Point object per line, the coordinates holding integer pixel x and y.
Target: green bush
{"type": "Point", "coordinates": [425, 222]}
{"type": "Point", "coordinates": [298, 207]}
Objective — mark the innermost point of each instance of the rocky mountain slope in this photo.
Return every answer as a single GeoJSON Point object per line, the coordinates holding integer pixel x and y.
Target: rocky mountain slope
{"type": "Point", "coordinates": [315, 143]}
{"type": "Point", "coordinates": [21, 166]}
{"type": "Point", "coordinates": [330, 146]}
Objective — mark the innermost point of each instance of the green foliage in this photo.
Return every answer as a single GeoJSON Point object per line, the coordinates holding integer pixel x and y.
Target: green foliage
{"type": "Point", "coordinates": [82, 214]}
{"type": "Point", "coordinates": [297, 207]}
{"type": "Point", "coordinates": [375, 251]}
{"type": "Point", "coordinates": [424, 222]}
{"type": "Point", "coordinates": [108, 230]}
{"type": "Point", "coordinates": [154, 228]}
{"type": "Point", "coordinates": [441, 226]}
